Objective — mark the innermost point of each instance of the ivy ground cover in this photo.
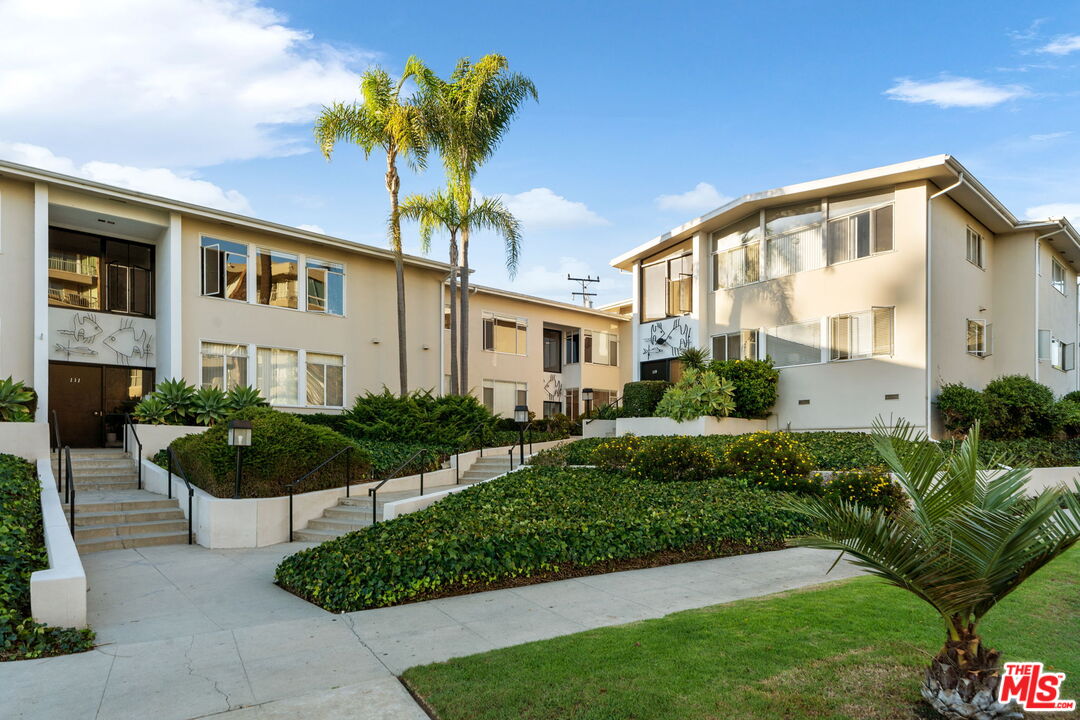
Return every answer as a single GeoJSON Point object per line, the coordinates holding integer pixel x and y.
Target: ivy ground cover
{"type": "Point", "coordinates": [534, 525]}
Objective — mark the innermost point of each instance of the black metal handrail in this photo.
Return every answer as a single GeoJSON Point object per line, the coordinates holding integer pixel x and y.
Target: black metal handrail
{"type": "Point", "coordinates": [373, 491]}
{"type": "Point", "coordinates": [174, 460]}
{"type": "Point", "coordinates": [482, 425]}
{"type": "Point", "coordinates": [596, 412]}
{"type": "Point", "coordinates": [291, 487]}
{"type": "Point", "coordinates": [69, 488]}
{"type": "Point", "coordinates": [129, 425]}
{"type": "Point", "coordinates": [59, 445]}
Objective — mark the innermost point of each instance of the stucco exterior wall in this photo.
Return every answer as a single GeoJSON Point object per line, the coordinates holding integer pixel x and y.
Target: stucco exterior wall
{"type": "Point", "coordinates": [1058, 314]}
{"type": "Point", "coordinates": [16, 259]}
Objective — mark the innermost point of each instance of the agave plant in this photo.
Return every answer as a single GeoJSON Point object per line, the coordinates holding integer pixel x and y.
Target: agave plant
{"type": "Point", "coordinates": [178, 396]}
{"type": "Point", "coordinates": [15, 401]}
{"type": "Point", "coordinates": [151, 410]}
{"type": "Point", "coordinates": [209, 406]}
{"type": "Point", "coordinates": [969, 538]}
{"type": "Point", "coordinates": [243, 397]}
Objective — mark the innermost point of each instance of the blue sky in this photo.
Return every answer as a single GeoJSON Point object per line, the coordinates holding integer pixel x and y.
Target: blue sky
{"type": "Point", "coordinates": [649, 113]}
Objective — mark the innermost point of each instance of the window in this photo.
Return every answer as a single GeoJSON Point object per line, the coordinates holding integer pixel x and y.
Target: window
{"type": "Point", "coordinates": [275, 278]}
{"type": "Point", "coordinates": [504, 334]}
{"type": "Point", "coordinates": [89, 272]}
{"type": "Point", "coordinates": [573, 396]}
{"type": "Point", "coordinates": [980, 339]}
{"type": "Point", "coordinates": [974, 248]}
{"type": "Point", "coordinates": [573, 348]}
{"type": "Point", "coordinates": [736, 253]}
{"type": "Point", "coordinates": [552, 407]}
{"type": "Point", "coordinates": [862, 334]}
{"type": "Point", "coordinates": [502, 396]}
{"type": "Point", "coordinates": [667, 288]}
{"type": "Point", "coordinates": [601, 348]}
{"type": "Point", "coordinates": [325, 380]}
{"type": "Point", "coordinates": [601, 398]}
{"type": "Point", "coordinates": [224, 366]}
{"type": "Point", "coordinates": [224, 269]}
{"type": "Point", "coordinates": [276, 375]}
{"type": "Point", "coordinates": [860, 234]}
{"type": "Point", "coordinates": [794, 344]}
{"type": "Point", "coordinates": [1062, 355]}
{"type": "Point", "coordinates": [1057, 277]}
{"type": "Point", "coordinates": [793, 239]}
{"type": "Point", "coordinates": [325, 287]}
{"type": "Point", "coordinates": [552, 351]}
{"type": "Point", "coordinates": [739, 345]}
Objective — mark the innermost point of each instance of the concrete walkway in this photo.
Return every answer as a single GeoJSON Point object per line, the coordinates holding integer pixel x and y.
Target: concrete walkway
{"type": "Point", "coordinates": [188, 632]}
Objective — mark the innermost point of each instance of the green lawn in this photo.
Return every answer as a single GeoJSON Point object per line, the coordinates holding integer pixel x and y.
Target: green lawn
{"type": "Point", "coordinates": [853, 649]}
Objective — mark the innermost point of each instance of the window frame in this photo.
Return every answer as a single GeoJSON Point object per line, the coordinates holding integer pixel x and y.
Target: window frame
{"type": "Point", "coordinates": [871, 211]}
{"type": "Point", "coordinates": [666, 262]}
{"type": "Point", "coordinates": [822, 342]}
{"type": "Point", "coordinates": [300, 380]}
{"type": "Point", "coordinates": [1059, 285]}
{"type": "Point", "coordinates": [307, 387]}
{"type": "Point", "coordinates": [588, 342]}
{"type": "Point", "coordinates": [203, 355]}
{"type": "Point", "coordinates": [871, 315]}
{"type": "Point", "coordinates": [980, 252]}
{"type": "Point", "coordinates": [253, 291]}
{"type": "Point", "coordinates": [329, 269]}
{"type": "Point", "coordinates": [223, 273]}
{"type": "Point", "coordinates": [521, 324]}
{"type": "Point", "coordinates": [984, 345]}
{"type": "Point", "coordinates": [749, 336]}
{"type": "Point", "coordinates": [104, 266]}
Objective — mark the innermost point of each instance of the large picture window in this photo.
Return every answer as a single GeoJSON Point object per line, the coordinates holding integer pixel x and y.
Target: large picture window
{"type": "Point", "coordinates": [794, 344]}
{"type": "Point", "coordinates": [502, 396]}
{"type": "Point", "coordinates": [739, 345]}
{"type": "Point", "coordinates": [275, 278]}
{"type": "Point", "coordinates": [90, 272]}
{"type": "Point", "coordinates": [860, 235]}
{"type": "Point", "coordinates": [793, 239]}
{"type": "Point", "coordinates": [601, 348]}
{"type": "Point", "coordinates": [325, 287]}
{"type": "Point", "coordinates": [224, 365]}
{"type": "Point", "coordinates": [276, 375]}
{"type": "Point", "coordinates": [325, 380]}
{"type": "Point", "coordinates": [861, 334]}
{"type": "Point", "coordinates": [667, 288]}
{"type": "Point", "coordinates": [224, 269]}
{"type": "Point", "coordinates": [504, 334]}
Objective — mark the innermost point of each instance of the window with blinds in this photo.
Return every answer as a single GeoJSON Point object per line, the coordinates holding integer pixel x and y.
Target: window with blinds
{"type": "Point", "coordinates": [739, 345]}
{"type": "Point", "coordinates": [861, 334]}
{"type": "Point", "coordinates": [601, 348]}
{"type": "Point", "coordinates": [504, 334]}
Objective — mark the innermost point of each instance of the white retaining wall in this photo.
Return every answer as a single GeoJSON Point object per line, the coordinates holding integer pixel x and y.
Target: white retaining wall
{"type": "Point", "coordinates": [704, 425]}
{"type": "Point", "coordinates": [58, 594]}
{"type": "Point", "coordinates": [29, 440]}
{"type": "Point", "coordinates": [156, 438]}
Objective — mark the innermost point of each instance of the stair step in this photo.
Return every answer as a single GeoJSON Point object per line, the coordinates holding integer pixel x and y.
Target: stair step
{"type": "Point", "coordinates": [316, 535]}
{"type": "Point", "coordinates": [127, 529]}
{"type": "Point", "coordinates": [124, 471]}
{"type": "Point", "coordinates": [121, 505]}
{"type": "Point", "coordinates": [346, 512]}
{"type": "Point", "coordinates": [340, 525]}
{"type": "Point", "coordinates": [90, 519]}
{"type": "Point", "coordinates": [102, 487]}
{"type": "Point", "coordinates": [131, 541]}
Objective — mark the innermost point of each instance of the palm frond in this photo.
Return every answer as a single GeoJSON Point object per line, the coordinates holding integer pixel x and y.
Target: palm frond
{"type": "Point", "coordinates": [489, 213]}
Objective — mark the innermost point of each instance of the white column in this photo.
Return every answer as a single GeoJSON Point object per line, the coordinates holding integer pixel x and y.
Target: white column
{"type": "Point", "coordinates": [701, 290]}
{"type": "Point", "coordinates": [170, 281]}
{"type": "Point", "coordinates": [41, 300]}
{"type": "Point", "coordinates": [635, 324]}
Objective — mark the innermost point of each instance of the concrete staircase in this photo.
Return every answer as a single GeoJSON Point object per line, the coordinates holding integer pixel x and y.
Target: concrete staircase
{"type": "Point", "coordinates": [354, 513]}
{"type": "Point", "coordinates": [111, 512]}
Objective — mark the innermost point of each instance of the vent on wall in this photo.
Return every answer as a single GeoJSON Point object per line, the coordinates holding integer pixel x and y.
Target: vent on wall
{"type": "Point", "coordinates": [892, 396]}
{"type": "Point", "coordinates": [804, 402]}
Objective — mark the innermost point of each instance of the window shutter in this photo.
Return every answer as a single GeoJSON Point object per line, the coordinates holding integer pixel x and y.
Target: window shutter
{"type": "Point", "coordinates": [883, 330]}
{"type": "Point", "coordinates": [1068, 356]}
{"type": "Point", "coordinates": [613, 350]}
{"type": "Point", "coordinates": [211, 271]}
{"type": "Point", "coordinates": [1044, 344]}
{"type": "Point", "coordinates": [988, 339]}
{"type": "Point", "coordinates": [489, 333]}
{"type": "Point", "coordinates": [588, 347]}
{"type": "Point", "coordinates": [841, 336]}
{"type": "Point", "coordinates": [883, 229]}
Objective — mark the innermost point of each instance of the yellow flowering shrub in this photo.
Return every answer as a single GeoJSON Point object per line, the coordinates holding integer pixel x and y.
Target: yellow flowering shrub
{"type": "Point", "coordinates": [775, 460]}
{"type": "Point", "coordinates": [674, 459]}
{"type": "Point", "coordinates": [872, 488]}
{"type": "Point", "coordinates": [616, 453]}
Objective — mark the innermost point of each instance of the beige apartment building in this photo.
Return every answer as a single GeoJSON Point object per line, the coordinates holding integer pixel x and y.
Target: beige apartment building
{"type": "Point", "coordinates": [869, 290]}
{"type": "Point", "coordinates": [109, 291]}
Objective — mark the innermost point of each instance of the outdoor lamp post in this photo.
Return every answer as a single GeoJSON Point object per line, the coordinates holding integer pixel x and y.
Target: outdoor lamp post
{"type": "Point", "coordinates": [239, 437]}
{"type": "Point", "coordinates": [521, 416]}
{"type": "Point", "coordinates": [586, 395]}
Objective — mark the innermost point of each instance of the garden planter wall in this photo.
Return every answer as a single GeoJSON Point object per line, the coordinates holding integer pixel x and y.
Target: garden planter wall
{"type": "Point", "coordinates": [598, 428]}
{"type": "Point", "coordinates": [698, 426]}
{"type": "Point", "coordinates": [58, 593]}
{"type": "Point", "coordinates": [156, 438]}
{"type": "Point", "coordinates": [28, 440]}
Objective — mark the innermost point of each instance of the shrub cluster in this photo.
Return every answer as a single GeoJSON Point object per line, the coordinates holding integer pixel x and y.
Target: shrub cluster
{"type": "Point", "coordinates": [673, 459]}
{"type": "Point", "coordinates": [640, 398]}
{"type": "Point", "coordinates": [22, 551]}
{"type": "Point", "coordinates": [282, 449]}
{"type": "Point", "coordinates": [616, 453]}
{"type": "Point", "coordinates": [697, 393]}
{"type": "Point", "coordinates": [773, 460]}
{"type": "Point", "coordinates": [870, 488]}
{"type": "Point", "coordinates": [175, 402]}
{"type": "Point", "coordinates": [539, 520]}
{"type": "Point", "coordinates": [1009, 408]}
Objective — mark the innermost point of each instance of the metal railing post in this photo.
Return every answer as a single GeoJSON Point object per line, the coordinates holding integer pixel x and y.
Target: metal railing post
{"type": "Point", "coordinates": [70, 490]}
{"type": "Point", "coordinates": [169, 452]}
{"type": "Point", "coordinates": [190, 513]}
{"type": "Point", "coordinates": [348, 474]}
{"type": "Point", "coordinates": [457, 467]}
{"type": "Point", "coordinates": [291, 538]}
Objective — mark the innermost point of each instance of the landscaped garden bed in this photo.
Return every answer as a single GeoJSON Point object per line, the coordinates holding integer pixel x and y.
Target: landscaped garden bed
{"type": "Point", "coordinates": [22, 552]}
{"type": "Point", "coordinates": [535, 525]}
{"type": "Point", "coordinates": [847, 651]}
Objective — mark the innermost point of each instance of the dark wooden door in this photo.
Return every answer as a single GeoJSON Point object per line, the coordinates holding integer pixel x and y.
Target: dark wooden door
{"type": "Point", "coordinates": [75, 395]}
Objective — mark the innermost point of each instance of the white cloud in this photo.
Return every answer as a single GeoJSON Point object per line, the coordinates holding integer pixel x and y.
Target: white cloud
{"type": "Point", "coordinates": [312, 228]}
{"type": "Point", "coordinates": [156, 181]}
{"type": "Point", "coordinates": [181, 83]}
{"type": "Point", "coordinates": [1055, 210]}
{"type": "Point", "coordinates": [702, 197]}
{"type": "Point", "coordinates": [948, 92]}
{"type": "Point", "coordinates": [552, 283]}
{"type": "Point", "coordinates": [541, 208]}
{"type": "Point", "coordinates": [1062, 45]}
{"type": "Point", "coordinates": [1043, 137]}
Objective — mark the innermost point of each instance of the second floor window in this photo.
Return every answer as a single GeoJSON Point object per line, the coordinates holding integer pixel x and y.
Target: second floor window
{"type": "Point", "coordinates": [275, 278]}
{"type": "Point", "coordinates": [667, 288]}
{"type": "Point", "coordinates": [90, 272]}
{"type": "Point", "coordinates": [552, 350]}
{"type": "Point", "coordinates": [325, 287]}
{"type": "Point", "coordinates": [601, 348]}
{"type": "Point", "coordinates": [1057, 276]}
{"type": "Point", "coordinates": [974, 248]}
{"type": "Point", "coordinates": [504, 334]}
{"type": "Point", "coordinates": [224, 269]}
{"type": "Point", "coordinates": [573, 349]}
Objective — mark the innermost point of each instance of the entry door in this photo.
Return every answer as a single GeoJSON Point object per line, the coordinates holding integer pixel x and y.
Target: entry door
{"type": "Point", "coordinates": [75, 395]}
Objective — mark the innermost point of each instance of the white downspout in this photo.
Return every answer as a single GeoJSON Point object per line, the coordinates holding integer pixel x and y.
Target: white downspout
{"type": "Point", "coordinates": [929, 313]}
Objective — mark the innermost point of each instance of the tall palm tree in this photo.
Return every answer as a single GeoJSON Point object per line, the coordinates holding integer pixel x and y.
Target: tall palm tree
{"type": "Point", "coordinates": [468, 116]}
{"type": "Point", "coordinates": [440, 211]}
{"type": "Point", "coordinates": [395, 124]}
{"type": "Point", "coordinates": [969, 538]}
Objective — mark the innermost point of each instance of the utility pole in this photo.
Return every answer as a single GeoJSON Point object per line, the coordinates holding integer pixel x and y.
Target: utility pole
{"type": "Point", "coordinates": [586, 296]}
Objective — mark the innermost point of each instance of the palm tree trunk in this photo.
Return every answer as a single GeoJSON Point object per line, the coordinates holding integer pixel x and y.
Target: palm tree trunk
{"type": "Point", "coordinates": [464, 365]}
{"type": "Point", "coordinates": [455, 386]}
{"type": "Point", "coordinates": [962, 680]}
{"type": "Point", "coordinates": [393, 184]}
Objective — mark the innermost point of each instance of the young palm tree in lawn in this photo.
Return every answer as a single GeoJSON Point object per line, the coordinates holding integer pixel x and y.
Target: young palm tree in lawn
{"type": "Point", "coordinates": [467, 118]}
{"type": "Point", "coordinates": [969, 538]}
{"type": "Point", "coordinates": [395, 124]}
{"type": "Point", "coordinates": [440, 211]}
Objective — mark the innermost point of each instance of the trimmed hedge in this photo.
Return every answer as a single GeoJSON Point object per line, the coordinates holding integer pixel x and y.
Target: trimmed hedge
{"type": "Point", "coordinates": [22, 552]}
{"type": "Point", "coordinates": [538, 520]}
{"type": "Point", "coordinates": [640, 398]}
{"type": "Point", "coordinates": [282, 449]}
